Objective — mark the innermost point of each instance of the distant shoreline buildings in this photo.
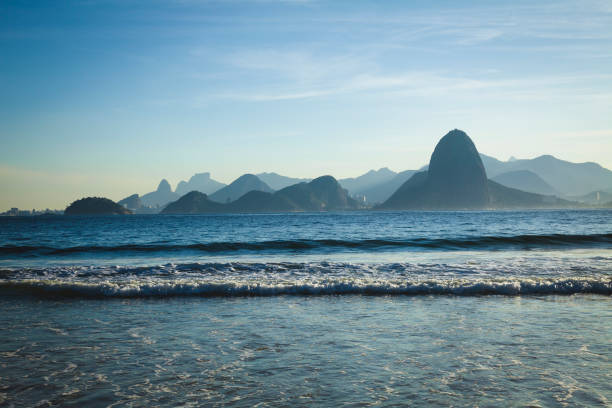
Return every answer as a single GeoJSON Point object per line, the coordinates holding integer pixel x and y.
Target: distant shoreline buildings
{"type": "Point", "coordinates": [16, 212]}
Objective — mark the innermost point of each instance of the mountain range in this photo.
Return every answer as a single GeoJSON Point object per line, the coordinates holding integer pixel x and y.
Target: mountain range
{"type": "Point", "coordinates": [378, 193]}
{"type": "Point", "coordinates": [238, 188]}
{"type": "Point", "coordinates": [569, 179]}
{"type": "Point", "coordinates": [321, 194]}
{"type": "Point", "coordinates": [546, 175]}
{"type": "Point", "coordinates": [199, 182]}
{"type": "Point", "coordinates": [525, 180]}
{"type": "Point", "coordinates": [373, 178]}
{"type": "Point", "coordinates": [278, 182]}
{"type": "Point", "coordinates": [160, 197]}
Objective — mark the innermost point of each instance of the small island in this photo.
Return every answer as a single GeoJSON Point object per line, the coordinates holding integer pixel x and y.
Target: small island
{"type": "Point", "coordinates": [95, 206]}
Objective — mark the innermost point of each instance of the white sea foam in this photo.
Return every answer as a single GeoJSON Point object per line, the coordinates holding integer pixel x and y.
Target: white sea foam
{"type": "Point", "coordinates": [304, 287]}
{"type": "Point", "coordinates": [511, 276]}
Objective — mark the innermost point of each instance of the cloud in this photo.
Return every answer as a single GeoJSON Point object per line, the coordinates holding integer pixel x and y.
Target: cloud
{"type": "Point", "coordinates": [376, 50]}
{"type": "Point", "coordinates": [304, 76]}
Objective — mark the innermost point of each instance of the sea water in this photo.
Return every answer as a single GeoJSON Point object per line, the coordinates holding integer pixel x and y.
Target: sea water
{"type": "Point", "coordinates": [356, 308]}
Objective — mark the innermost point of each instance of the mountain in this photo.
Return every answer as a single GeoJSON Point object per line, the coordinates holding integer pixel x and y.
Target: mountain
{"type": "Point", "coordinates": [368, 180]}
{"type": "Point", "coordinates": [321, 194]}
{"type": "Point", "coordinates": [160, 197]}
{"type": "Point", "coordinates": [565, 178]}
{"type": "Point", "coordinates": [260, 201]}
{"type": "Point", "coordinates": [239, 187]}
{"type": "Point", "coordinates": [456, 179]}
{"type": "Point", "coordinates": [193, 202]}
{"type": "Point", "coordinates": [132, 202]}
{"type": "Point", "coordinates": [199, 182]}
{"type": "Point", "coordinates": [525, 180]}
{"type": "Point", "coordinates": [379, 193]}
{"type": "Point", "coordinates": [570, 179]}
{"type": "Point", "coordinates": [494, 166]}
{"type": "Point", "coordinates": [277, 182]}
{"type": "Point", "coordinates": [95, 206]}
{"type": "Point", "coordinates": [502, 197]}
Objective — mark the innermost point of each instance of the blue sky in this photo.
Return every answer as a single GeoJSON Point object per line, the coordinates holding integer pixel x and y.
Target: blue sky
{"type": "Point", "coordinates": [108, 97]}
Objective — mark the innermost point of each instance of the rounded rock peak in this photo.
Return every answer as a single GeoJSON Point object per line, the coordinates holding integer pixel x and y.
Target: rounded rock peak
{"type": "Point", "coordinates": [164, 186]}
{"type": "Point", "coordinates": [248, 177]}
{"type": "Point", "coordinates": [456, 171]}
{"type": "Point", "coordinates": [326, 180]}
{"type": "Point", "coordinates": [456, 139]}
{"type": "Point", "coordinates": [455, 151]}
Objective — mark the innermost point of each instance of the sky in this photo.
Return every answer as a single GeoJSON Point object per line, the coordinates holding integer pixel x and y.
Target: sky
{"type": "Point", "coordinates": [108, 97]}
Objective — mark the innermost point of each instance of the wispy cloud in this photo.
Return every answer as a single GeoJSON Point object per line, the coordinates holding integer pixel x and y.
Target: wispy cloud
{"type": "Point", "coordinates": [361, 51]}
{"type": "Point", "coordinates": [302, 75]}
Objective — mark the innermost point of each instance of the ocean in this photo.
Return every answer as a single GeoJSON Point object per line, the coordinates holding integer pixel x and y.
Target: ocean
{"type": "Point", "coordinates": [482, 308]}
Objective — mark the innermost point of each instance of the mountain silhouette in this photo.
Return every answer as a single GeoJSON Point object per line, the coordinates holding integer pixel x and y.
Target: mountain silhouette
{"type": "Point", "coordinates": [239, 187]}
{"type": "Point", "coordinates": [565, 178]}
{"type": "Point", "coordinates": [278, 182]}
{"type": "Point", "coordinates": [321, 194]}
{"type": "Point", "coordinates": [199, 182]}
{"type": "Point", "coordinates": [379, 193]}
{"type": "Point", "coordinates": [160, 197]}
{"type": "Point", "coordinates": [456, 180]}
{"type": "Point", "coordinates": [569, 179]}
{"type": "Point", "coordinates": [260, 201]}
{"type": "Point", "coordinates": [132, 202]}
{"type": "Point", "coordinates": [193, 202]}
{"type": "Point", "coordinates": [95, 206]}
{"type": "Point", "coordinates": [525, 180]}
{"type": "Point", "coordinates": [355, 185]}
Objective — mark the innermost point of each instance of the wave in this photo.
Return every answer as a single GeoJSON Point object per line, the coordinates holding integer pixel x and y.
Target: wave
{"type": "Point", "coordinates": [183, 288]}
{"type": "Point", "coordinates": [305, 245]}
{"type": "Point", "coordinates": [518, 266]}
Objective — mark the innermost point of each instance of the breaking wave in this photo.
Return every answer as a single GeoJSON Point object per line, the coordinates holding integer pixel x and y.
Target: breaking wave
{"type": "Point", "coordinates": [220, 288]}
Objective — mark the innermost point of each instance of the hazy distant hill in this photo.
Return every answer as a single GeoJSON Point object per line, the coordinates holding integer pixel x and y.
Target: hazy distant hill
{"type": "Point", "coordinates": [372, 178]}
{"type": "Point", "coordinates": [503, 197]}
{"type": "Point", "coordinates": [277, 182]}
{"type": "Point", "coordinates": [599, 197]}
{"type": "Point", "coordinates": [456, 179]}
{"type": "Point", "coordinates": [199, 182]}
{"type": "Point", "coordinates": [321, 194]}
{"type": "Point", "coordinates": [239, 187]}
{"type": "Point", "coordinates": [525, 180]}
{"type": "Point", "coordinates": [570, 179]}
{"type": "Point", "coordinates": [379, 193]}
{"type": "Point", "coordinates": [494, 166]}
{"type": "Point", "coordinates": [95, 206]}
{"type": "Point", "coordinates": [132, 202]}
{"type": "Point", "coordinates": [565, 178]}
{"type": "Point", "coordinates": [160, 197]}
